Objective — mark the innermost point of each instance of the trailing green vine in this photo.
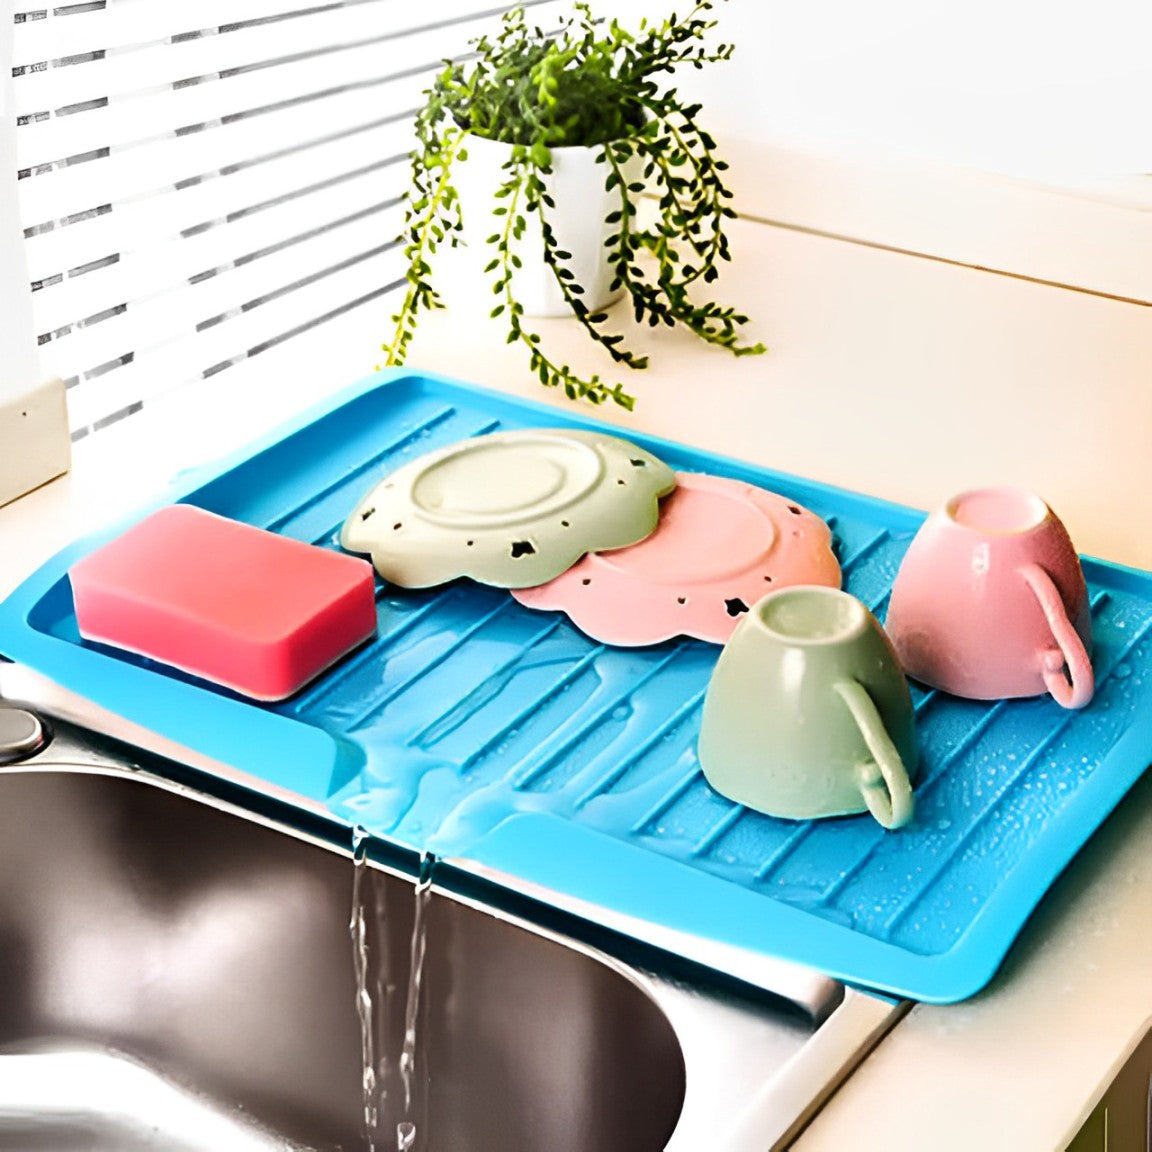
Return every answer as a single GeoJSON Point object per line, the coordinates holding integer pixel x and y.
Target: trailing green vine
{"type": "Point", "coordinates": [592, 84]}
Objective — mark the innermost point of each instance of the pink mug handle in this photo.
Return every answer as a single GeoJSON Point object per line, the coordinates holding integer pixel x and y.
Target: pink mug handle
{"type": "Point", "coordinates": [1071, 648]}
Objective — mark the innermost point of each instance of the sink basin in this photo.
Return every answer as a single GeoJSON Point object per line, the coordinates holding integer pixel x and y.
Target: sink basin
{"type": "Point", "coordinates": [175, 950]}
{"type": "Point", "coordinates": [177, 972]}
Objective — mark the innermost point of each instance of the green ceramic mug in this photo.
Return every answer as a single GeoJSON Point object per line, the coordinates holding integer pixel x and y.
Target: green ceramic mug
{"type": "Point", "coordinates": [808, 712]}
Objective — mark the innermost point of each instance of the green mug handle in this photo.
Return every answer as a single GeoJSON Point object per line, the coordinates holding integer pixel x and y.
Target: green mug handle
{"type": "Point", "coordinates": [889, 797]}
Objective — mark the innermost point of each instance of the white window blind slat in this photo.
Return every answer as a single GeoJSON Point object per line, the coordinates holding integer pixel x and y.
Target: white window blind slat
{"type": "Point", "coordinates": [220, 301]}
{"type": "Point", "coordinates": [303, 85]}
{"type": "Point", "coordinates": [217, 246]}
{"type": "Point", "coordinates": [155, 170]}
{"type": "Point", "coordinates": [129, 76]}
{"type": "Point", "coordinates": [143, 272]}
{"type": "Point", "coordinates": [201, 180]}
{"type": "Point", "coordinates": [124, 24]}
{"type": "Point", "coordinates": [162, 219]}
{"type": "Point", "coordinates": [46, 33]}
{"type": "Point", "coordinates": [227, 287]}
{"type": "Point", "coordinates": [95, 297]}
{"type": "Point", "coordinates": [181, 362]}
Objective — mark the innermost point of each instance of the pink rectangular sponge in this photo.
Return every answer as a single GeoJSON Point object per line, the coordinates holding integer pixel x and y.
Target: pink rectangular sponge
{"type": "Point", "coordinates": [256, 612]}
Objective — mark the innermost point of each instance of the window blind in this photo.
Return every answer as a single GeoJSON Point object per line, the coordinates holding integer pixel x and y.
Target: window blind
{"type": "Point", "coordinates": [201, 180]}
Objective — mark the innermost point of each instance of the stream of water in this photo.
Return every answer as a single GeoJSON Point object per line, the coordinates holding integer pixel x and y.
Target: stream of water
{"type": "Point", "coordinates": [408, 1128]}
{"type": "Point", "coordinates": [373, 964]}
{"type": "Point", "coordinates": [368, 1006]}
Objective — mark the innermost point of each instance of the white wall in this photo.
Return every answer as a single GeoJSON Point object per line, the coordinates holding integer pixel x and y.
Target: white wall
{"type": "Point", "coordinates": [1027, 86]}
{"type": "Point", "coordinates": [1003, 134]}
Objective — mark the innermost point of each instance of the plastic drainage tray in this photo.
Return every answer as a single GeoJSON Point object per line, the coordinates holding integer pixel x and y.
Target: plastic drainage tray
{"type": "Point", "coordinates": [475, 727]}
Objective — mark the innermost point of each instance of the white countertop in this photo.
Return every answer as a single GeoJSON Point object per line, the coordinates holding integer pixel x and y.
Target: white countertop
{"type": "Point", "coordinates": [897, 376]}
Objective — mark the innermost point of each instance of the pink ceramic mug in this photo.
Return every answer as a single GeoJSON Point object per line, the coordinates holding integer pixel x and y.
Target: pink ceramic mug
{"type": "Point", "coordinates": [990, 602]}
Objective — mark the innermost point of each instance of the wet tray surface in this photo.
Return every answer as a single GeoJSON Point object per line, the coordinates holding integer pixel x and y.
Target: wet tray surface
{"type": "Point", "coordinates": [475, 727]}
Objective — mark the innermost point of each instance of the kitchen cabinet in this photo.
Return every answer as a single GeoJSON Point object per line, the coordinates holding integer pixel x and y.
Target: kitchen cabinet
{"type": "Point", "coordinates": [1123, 1119]}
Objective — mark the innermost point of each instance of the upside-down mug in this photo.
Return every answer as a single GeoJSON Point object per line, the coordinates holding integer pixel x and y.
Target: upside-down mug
{"type": "Point", "coordinates": [808, 713]}
{"type": "Point", "coordinates": [990, 602]}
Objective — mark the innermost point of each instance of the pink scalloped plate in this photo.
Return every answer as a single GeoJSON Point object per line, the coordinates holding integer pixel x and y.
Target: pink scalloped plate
{"type": "Point", "coordinates": [720, 546]}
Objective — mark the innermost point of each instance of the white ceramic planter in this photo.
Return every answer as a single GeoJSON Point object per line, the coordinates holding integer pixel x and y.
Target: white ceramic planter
{"type": "Point", "coordinates": [578, 221]}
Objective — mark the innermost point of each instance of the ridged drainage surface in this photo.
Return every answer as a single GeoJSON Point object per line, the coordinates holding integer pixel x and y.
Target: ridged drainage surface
{"type": "Point", "coordinates": [481, 728]}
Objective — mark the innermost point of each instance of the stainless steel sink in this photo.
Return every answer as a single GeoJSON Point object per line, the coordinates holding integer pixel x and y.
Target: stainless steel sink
{"type": "Point", "coordinates": [177, 972]}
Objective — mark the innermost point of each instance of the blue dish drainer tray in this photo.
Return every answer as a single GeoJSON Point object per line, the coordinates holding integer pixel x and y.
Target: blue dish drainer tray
{"type": "Point", "coordinates": [474, 727]}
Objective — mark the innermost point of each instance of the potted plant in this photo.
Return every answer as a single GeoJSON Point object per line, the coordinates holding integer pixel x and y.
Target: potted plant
{"type": "Point", "coordinates": [569, 121]}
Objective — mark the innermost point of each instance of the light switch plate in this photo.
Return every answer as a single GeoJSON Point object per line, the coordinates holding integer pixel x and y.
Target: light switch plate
{"type": "Point", "coordinates": [34, 443]}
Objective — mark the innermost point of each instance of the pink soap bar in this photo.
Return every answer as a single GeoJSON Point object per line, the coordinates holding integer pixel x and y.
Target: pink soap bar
{"type": "Point", "coordinates": [256, 612]}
